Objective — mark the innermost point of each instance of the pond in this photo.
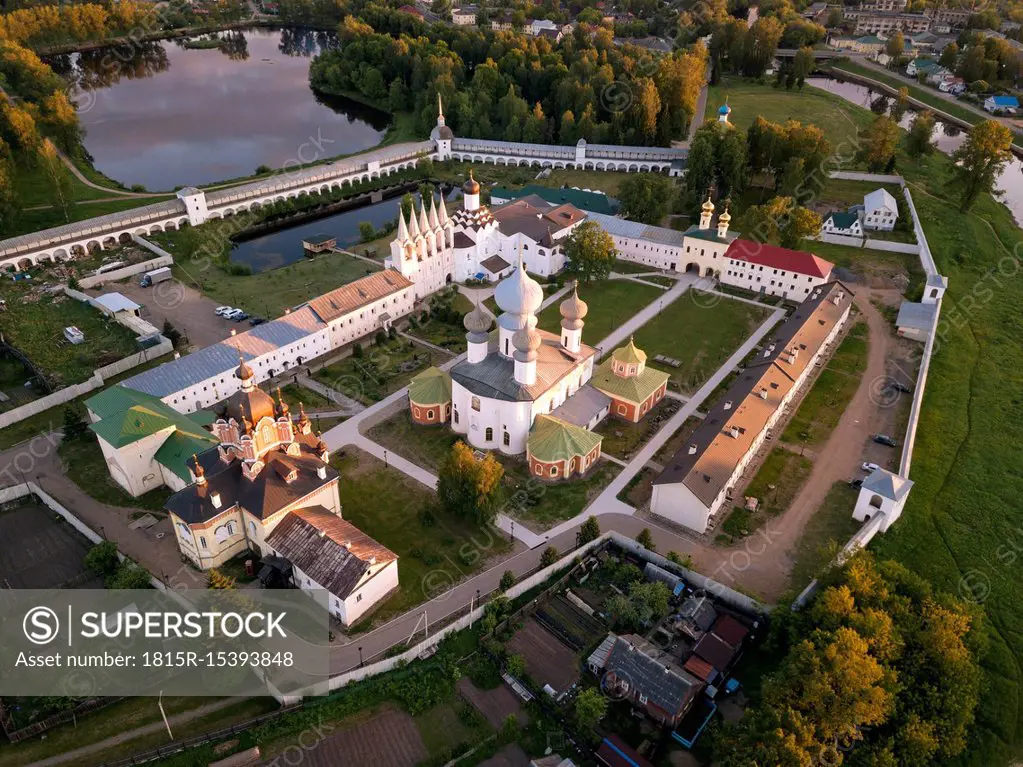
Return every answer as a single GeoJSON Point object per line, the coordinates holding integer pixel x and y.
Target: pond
{"type": "Point", "coordinates": [947, 138]}
{"type": "Point", "coordinates": [167, 114]}
{"type": "Point", "coordinates": [283, 247]}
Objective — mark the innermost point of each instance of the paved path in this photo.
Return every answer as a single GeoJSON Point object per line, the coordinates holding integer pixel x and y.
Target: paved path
{"type": "Point", "coordinates": [349, 405]}
{"type": "Point", "coordinates": [138, 732]}
{"type": "Point", "coordinates": [424, 342]}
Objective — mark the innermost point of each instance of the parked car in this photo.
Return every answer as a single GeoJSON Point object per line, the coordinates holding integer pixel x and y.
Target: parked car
{"type": "Point", "coordinates": [230, 314]}
{"type": "Point", "coordinates": [868, 466]}
{"type": "Point", "coordinates": [239, 315]}
{"type": "Point", "coordinates": [884, 439]}
{"type": "Point", "coordinates": [256, 321]}
{"type": "Point", "coordinates": [221, 311]}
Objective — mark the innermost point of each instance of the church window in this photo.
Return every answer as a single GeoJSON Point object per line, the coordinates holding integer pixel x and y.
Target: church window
{"type": "Point", "coordinates": [621, 409]}
{"type": "Point", "coordinates": [554, 471]}
{"type": "Point", "coordinates": [489, 434]}
{"type": "Point", "coordinates": [476, 404]}
{"type": "Point", "coordinates": [454, 414]}
{"type": "Point", "coordinates": [252, 529]}
{"type": "Point", "coordinates": [415, 412]}
{"type": "Point", "coordinates": [507, 439]}
{"type": "Point", "coordinates": [202, 541]}
{"type": "Point", "coordinates": [429, 414]}
{"type": "Point", "coordinates": [539, 469]}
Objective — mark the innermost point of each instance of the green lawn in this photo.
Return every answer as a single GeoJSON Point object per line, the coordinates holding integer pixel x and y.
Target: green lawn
{"type": "Point", "coordinates": [823, 405]}
{"type": "Point", "coordinates": [492, 175]}
{"type": "Point", "coordinates": [35, 325]}
{"type": "Point", "coordinates": [713, 329]}
{"type": "Point", "coordinates": [839, 119]}
{"type": "Point", "coordinates": [622, 438]}
{"type": "Point", "coordinates": [611, 302]}
{"type": "Point", "coordinates": [380, 371]}
{"type": "Point", "coordinates": [425, 446]}
{"type": "Point", "coordinates": [448, 725]}
{"type": "Point", "coordinates": [825, 533]}
{"type": "Point", "coordinates": [87, 469]}
{"type": "Point", "coordinates": [961, 520]}
{"type": "Point", "coordinates": [265, 294]}
{"type": "Point", "coordinates": [296, 394]}
{"type": "Point", "coordinates": [388, 506]}
{"type": "Point", "coordinates": [639, 489]}
{"type": "Point", "coordinates": [543, 504]}
{"type": "Point", "coordinates": [775, 485]}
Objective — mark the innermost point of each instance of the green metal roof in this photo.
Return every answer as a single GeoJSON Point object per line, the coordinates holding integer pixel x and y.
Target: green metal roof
{"type": "Point", "coordinates": [710, 235]}
{"type": "Point", "coordinates": [178, 449]}
{"type": "Point", "coordinates": [127, 416]}
{"type": "Point", "coordinates": [594, 202]}
{"type": "Point", "coordinates": [552, 439]}
{"type": "Point", "coordinates": [629, 353]}
{"type": "Point", "coordinates": [843, 220]}
{"type": "Point", "coordinates": [431, 387]}
{"type": "Point", "coordinates": [117, 399]}
{"type": "Point", "coordinates": [634, 389]}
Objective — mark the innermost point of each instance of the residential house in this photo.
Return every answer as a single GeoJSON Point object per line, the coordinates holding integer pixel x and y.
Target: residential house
{"type": "Point", "coordinates": [868, 44]}
{"type": "Point", "coordinates": [945, 18]}
{"type": "Point", "coordinates": [845, 223]}
{"type": "Point", "coordinates": [880, 210]}
{"type": "Point", "coordinates": [996, 104]}
{"type": "Point", "coordinates": [953, 85]}
{"type": "Point", "coordinates": [464, 16]}
{"type": "Point", "coordinates": [631, 668]}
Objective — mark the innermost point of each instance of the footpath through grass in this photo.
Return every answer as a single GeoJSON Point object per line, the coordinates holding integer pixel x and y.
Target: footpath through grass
{"type": "Point", "coordinates": [611, 302]}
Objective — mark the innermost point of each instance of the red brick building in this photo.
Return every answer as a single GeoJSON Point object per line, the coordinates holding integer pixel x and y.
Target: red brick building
{"type": "Point", "coordinates": [633, 387]}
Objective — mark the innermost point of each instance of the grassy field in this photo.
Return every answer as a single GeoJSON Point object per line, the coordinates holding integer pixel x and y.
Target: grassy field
{"type": "Point", "coordinates": [822, 406]}
{"type": "Point", "coordinates": [425, 446]}
{"type": "Point", "coordinates": [499, 175]}
{"type": "Point", "coordinates": [265, 294]}
{"type": "Point", "coordinates": [713, 328]}
{"type": "Point", "coordinates": [380, 371]}
{"type": "Point", "coordinates": [839, 119]}
{"type": "Point", "coordinates": [825, 532]}
{"type": "Point", "coordinates": [87, 468]}
{"type": "Point", "coordinates": [35, 325]}
{"type": "Point", "coordinates": [124, 716]}
{"type": "Point", "coordinates": [622, 438]}
{"type": "Point", "coordinates": [388, 506]}
{"type": "Point", "coordinates": [611, 303]}
{"type": "Point", "coordinates": [543, 504]}
{"type": "Point", "coordinates": [962, 518]}
{"type": "Point", "coordinates": [775, 485]}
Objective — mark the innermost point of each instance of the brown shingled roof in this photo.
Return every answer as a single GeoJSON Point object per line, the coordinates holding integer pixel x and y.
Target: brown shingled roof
{"type": "Point", "coordinates": [730, 428]}
{"type": "Point", "coordinates": [354, 295]}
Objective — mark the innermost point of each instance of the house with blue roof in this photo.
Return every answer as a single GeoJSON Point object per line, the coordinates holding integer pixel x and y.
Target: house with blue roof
{"type": "Point", "coordinates": [995, 104]}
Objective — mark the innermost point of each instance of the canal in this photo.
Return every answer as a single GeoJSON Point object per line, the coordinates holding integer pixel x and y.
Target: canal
{"type": "Point", "coordinates": [947, 138]}
{"type": "Point", "coordinates": [192, 112]}
{"type": "Point", "coordinates": [284, 246]}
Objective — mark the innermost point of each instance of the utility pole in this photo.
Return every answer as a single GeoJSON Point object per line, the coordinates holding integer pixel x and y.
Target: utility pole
{"type": "Point", "coordinates": [163, 713]}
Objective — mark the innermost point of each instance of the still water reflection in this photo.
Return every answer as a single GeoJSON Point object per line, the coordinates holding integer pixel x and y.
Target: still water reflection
{"type": "Point", "coordinates": [164, 114]}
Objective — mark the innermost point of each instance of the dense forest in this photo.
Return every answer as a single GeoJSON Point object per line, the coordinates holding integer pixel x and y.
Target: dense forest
{"type": "Point", "coordinates": [515, 87]}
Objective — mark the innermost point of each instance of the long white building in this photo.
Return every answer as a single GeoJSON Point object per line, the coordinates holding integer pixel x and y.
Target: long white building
{"type": "Point", "coordinates": [695, 488]}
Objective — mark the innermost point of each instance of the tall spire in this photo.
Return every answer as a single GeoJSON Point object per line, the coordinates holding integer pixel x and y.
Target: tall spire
{"type": "Point", "coordinates": [424, 224]}
{"type": "Point", "coordinates": [402, 227]}
{"type": "Point", "coordinates": [413, 226]}
{"type": "Point", "coordinates": [440, 110]}
{"type": "Point", "coordinates": [434, 223]}
{"type": "Point", "coordinates": [442, 212]}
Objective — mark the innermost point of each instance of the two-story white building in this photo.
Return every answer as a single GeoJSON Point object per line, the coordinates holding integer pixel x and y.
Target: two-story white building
{"type": "Point", "coordinates": [880, 210]}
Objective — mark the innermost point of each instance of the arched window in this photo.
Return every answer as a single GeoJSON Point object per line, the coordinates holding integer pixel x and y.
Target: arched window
{"type": "Point", "coordinates": [489, 434]}
{"type": "Point", "coordinates": [554, 471]}
{"type": "Point", "coordinates": [875, 501]}
{"type": "Point", "coordinates": [507, 439]}
{"type": "Point", "coordinates": [454, 414]}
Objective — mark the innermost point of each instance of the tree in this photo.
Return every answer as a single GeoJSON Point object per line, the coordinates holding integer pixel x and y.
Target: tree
{"type": "Point", "coordinates": [682, 560]}
{"type": "Point", "coordinates": [979, 161]}
{"type": "Point", "coordinates": [590, 708]}
{"type": "Point", "coordinates": [646, 197]}
{"type": "Point", "coordinates": [408, 205]}
{"type": "Point", "coordinates": [129, 576]}
{"type": "Point", "coordinates": [949, 57]}
{"type": "Point", "coordinates": [516, 665]}
{"type": "Point", "coordinates": [507, 580]}
{"type": "Point", "coordinates": [441, 7]}
{"type": "Point", "coordinates": [645, 539]}
{"type": "Point", "coordinates": [781, 220]}
{"type": "Point", "coordinates": [589, 531]}
{"type": "Point", "coordinates": [75, 427]}
{"type": "Point", "coordinates": [102, 559]}
{"type": "Point", "coordinates": [878, 144]}
{"type": "Point", "coordinates": [590, 252]}
{"type": "Point", "coordinates": [549, 557]}
{"type": "Point", "coordinates": [468, 487]}
{"type": "Point", "coordinates": [918, 140]}
{"type": "Point", "coordinates": [803, 64]}
{"type": "Point", "coordinates": [895, 47]}
{"type": "Point", "coordinates": [900, 105]}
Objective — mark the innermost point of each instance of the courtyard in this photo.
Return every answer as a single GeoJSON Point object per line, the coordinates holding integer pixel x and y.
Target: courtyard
{"type": "Point", "coordinates": [41, 551]}
{"type": "Point", "coordinates": [435, 550]}
{"type": "Point", "coordinates": [379, 369]}
{"type": "Point", "coordinates": [611, 302]}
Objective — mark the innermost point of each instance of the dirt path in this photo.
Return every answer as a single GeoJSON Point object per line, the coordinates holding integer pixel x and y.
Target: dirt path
{"type": "Point", "coordinates": [138, 732]}
{"type": "Point", "coordinates": [769, 570]}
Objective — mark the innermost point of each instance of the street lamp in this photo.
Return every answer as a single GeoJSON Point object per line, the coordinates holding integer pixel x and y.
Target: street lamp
{"type": "Point", "coordinates": [385, 458]}
{"type": "Point", "coordinates": [512, 538]}
{"type": "Point", "coordinates": [360, 657]}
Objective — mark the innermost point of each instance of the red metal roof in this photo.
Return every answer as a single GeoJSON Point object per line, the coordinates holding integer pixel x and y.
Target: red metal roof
{"type": "Point", "coordinates": [700, 669]}
{"type": "Point", "coordinates": [729, 629]}
{"type": "Point", "coordinates": [779, 258]}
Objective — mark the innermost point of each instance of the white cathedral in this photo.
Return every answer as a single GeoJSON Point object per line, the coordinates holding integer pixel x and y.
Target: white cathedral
{"type": "Point", "coordinates": [433, 249]}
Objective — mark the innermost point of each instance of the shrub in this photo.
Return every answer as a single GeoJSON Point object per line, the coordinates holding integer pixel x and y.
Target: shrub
{"type": "Point", "coordinates": [357, 350]}
{"type": "Point", "coordinates": [549, 557]}
{"type": "Point", "coordinates": [507, 580]}
{"type": "Point", "coordinates": [102, 558]}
